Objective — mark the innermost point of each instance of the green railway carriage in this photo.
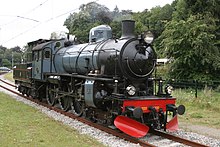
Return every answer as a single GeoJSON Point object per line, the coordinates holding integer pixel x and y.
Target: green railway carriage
{"type": "Point", "coordinates": [22, 72]}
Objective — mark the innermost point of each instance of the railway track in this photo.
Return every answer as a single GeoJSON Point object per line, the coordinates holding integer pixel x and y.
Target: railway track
{"type": "Point", "coordinates": [11, 88]}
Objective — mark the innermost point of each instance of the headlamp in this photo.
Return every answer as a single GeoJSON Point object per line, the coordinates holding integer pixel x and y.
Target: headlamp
{"type": "Point", "coordinates": [131, 90]}
{"type": "Point", "coordinates": [148, 37]}
{"type": "Point", "coordinates": [168, 89]}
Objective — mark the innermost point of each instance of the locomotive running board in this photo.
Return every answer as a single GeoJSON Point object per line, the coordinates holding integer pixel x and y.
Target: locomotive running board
{"type": "Point", "coordinates": [131, 127]}
{"type": "Point", "coordinates": [172, 125]}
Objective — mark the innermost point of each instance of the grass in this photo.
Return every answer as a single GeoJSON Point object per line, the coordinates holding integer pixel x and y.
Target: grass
{"type": "Point", "coordinates": [21, 125]}
{"type": "Point", "coordinates": [203, 110]}
{"type": "Point", "coordinates": [9, 76]}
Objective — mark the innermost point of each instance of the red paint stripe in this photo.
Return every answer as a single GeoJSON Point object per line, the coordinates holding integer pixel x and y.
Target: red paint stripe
{"type": "Point", "coordinates": [158, 103]}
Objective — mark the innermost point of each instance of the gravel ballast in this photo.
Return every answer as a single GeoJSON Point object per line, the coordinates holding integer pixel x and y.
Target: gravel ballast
{"type": "Point", "coordinates": [110, 140]}
{"type": "Point", "coordinates": [103, 137]}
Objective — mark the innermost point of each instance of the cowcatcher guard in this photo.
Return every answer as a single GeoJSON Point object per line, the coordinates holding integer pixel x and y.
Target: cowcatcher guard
{"type": "Point", "coordinates": [130, 126]}
{"type": "Point", "coordinates": [172, 125]}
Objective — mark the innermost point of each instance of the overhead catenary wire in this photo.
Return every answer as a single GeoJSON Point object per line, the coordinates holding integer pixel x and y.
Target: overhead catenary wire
{"type": "Point", "coordinates": [23, 15]}
{"type": "Point", "coordinates": [14, 37]}
{"type": "Point", "coordinates": [18, 16]}
{"type": "Point", "coordinates": [27, 18]}
{"type": "Point", "coordinates": [38, 6]}
{"type": "Point", "coordinates": [46, 21]}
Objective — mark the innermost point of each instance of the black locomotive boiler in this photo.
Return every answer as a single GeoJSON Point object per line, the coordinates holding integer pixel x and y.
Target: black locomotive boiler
{"type": "Point", "coordinates": [107, 80]}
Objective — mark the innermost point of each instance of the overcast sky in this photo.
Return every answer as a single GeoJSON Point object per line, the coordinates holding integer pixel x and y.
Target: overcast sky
{"type": "Point", "coordinates": [22, 21]}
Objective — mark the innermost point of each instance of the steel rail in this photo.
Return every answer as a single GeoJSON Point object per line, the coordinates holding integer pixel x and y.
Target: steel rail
{"type": "Point", "coordinates": [177, 139]}
{"type": "Point", "coordinates": [106, 129]}
{"type": "Point", "coordinates": [85, 121]}
{"type": "Point", "coordinates": [8, 83]}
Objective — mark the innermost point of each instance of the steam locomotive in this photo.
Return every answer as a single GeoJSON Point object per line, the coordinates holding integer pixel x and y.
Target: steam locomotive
{"type": "Point", "coordinates": [107, 80]}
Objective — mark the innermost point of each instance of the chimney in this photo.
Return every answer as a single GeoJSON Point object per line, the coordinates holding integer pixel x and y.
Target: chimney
{"type": "Point", "coordinates": [127, 29]}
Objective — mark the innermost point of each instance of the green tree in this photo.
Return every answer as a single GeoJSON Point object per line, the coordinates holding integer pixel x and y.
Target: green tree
{"type": "Point", "coordinates": [154, 20]}
{"type": "Point", "coordinates": [90, 15]}
{"type": "Point", "coordinates": [8, 56]}
{"type": "Point", "coordinates": [6, 63]}
{"type": "Point", "coordinates": [204, 6]}
{"type": "Point", "coordinates": [2, 51]}
{"type": "Point", "coordinates": [17, 57]}
{"type": "Point", "coordinates": [115, 12]}
{"type": "Point", "coordinates": [116, 28]}
{"type": "Point", "coordinates": [182, 10]}
{"type": "Point", "coordinates": [191, 43]}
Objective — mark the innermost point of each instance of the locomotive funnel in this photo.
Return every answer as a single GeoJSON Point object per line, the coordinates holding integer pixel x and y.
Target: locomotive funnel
{"type": "Point", "coordinates": [128, 28]}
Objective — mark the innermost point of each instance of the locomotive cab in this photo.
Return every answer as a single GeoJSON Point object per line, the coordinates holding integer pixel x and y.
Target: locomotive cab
{"type": "Point", "coordinates": [42, 57]}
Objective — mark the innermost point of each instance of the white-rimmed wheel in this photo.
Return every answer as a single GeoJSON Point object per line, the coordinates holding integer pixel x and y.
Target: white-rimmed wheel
{"type": "Point", "coordinates": [51, 94]}
{"type": "Point", "coordinates": [77, 107]}
{"type": "Point", "coordinates": [65, 103]}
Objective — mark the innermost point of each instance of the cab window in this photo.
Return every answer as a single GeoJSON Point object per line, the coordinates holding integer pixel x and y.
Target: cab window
{"type": "Point", "coordinates": [37, 55]}
{"type": "Point", "coordinates": [47, 53]}
{"type": "Point", "coordinates": [40, 54]}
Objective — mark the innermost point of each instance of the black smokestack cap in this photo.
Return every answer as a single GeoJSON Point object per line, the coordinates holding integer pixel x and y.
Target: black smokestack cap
{"type": "Point", "coordinates": [128, 29]}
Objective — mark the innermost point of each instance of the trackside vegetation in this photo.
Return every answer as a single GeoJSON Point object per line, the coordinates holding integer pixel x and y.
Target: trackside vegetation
{"type": "Point", "coordinates": [9, 76]}
{"type": "Point", "coordinates": [203, 110]}
{"type": "Point", "coordinates": [21, 125]}
{"type": "Point", "coordinates": [186, 31]}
